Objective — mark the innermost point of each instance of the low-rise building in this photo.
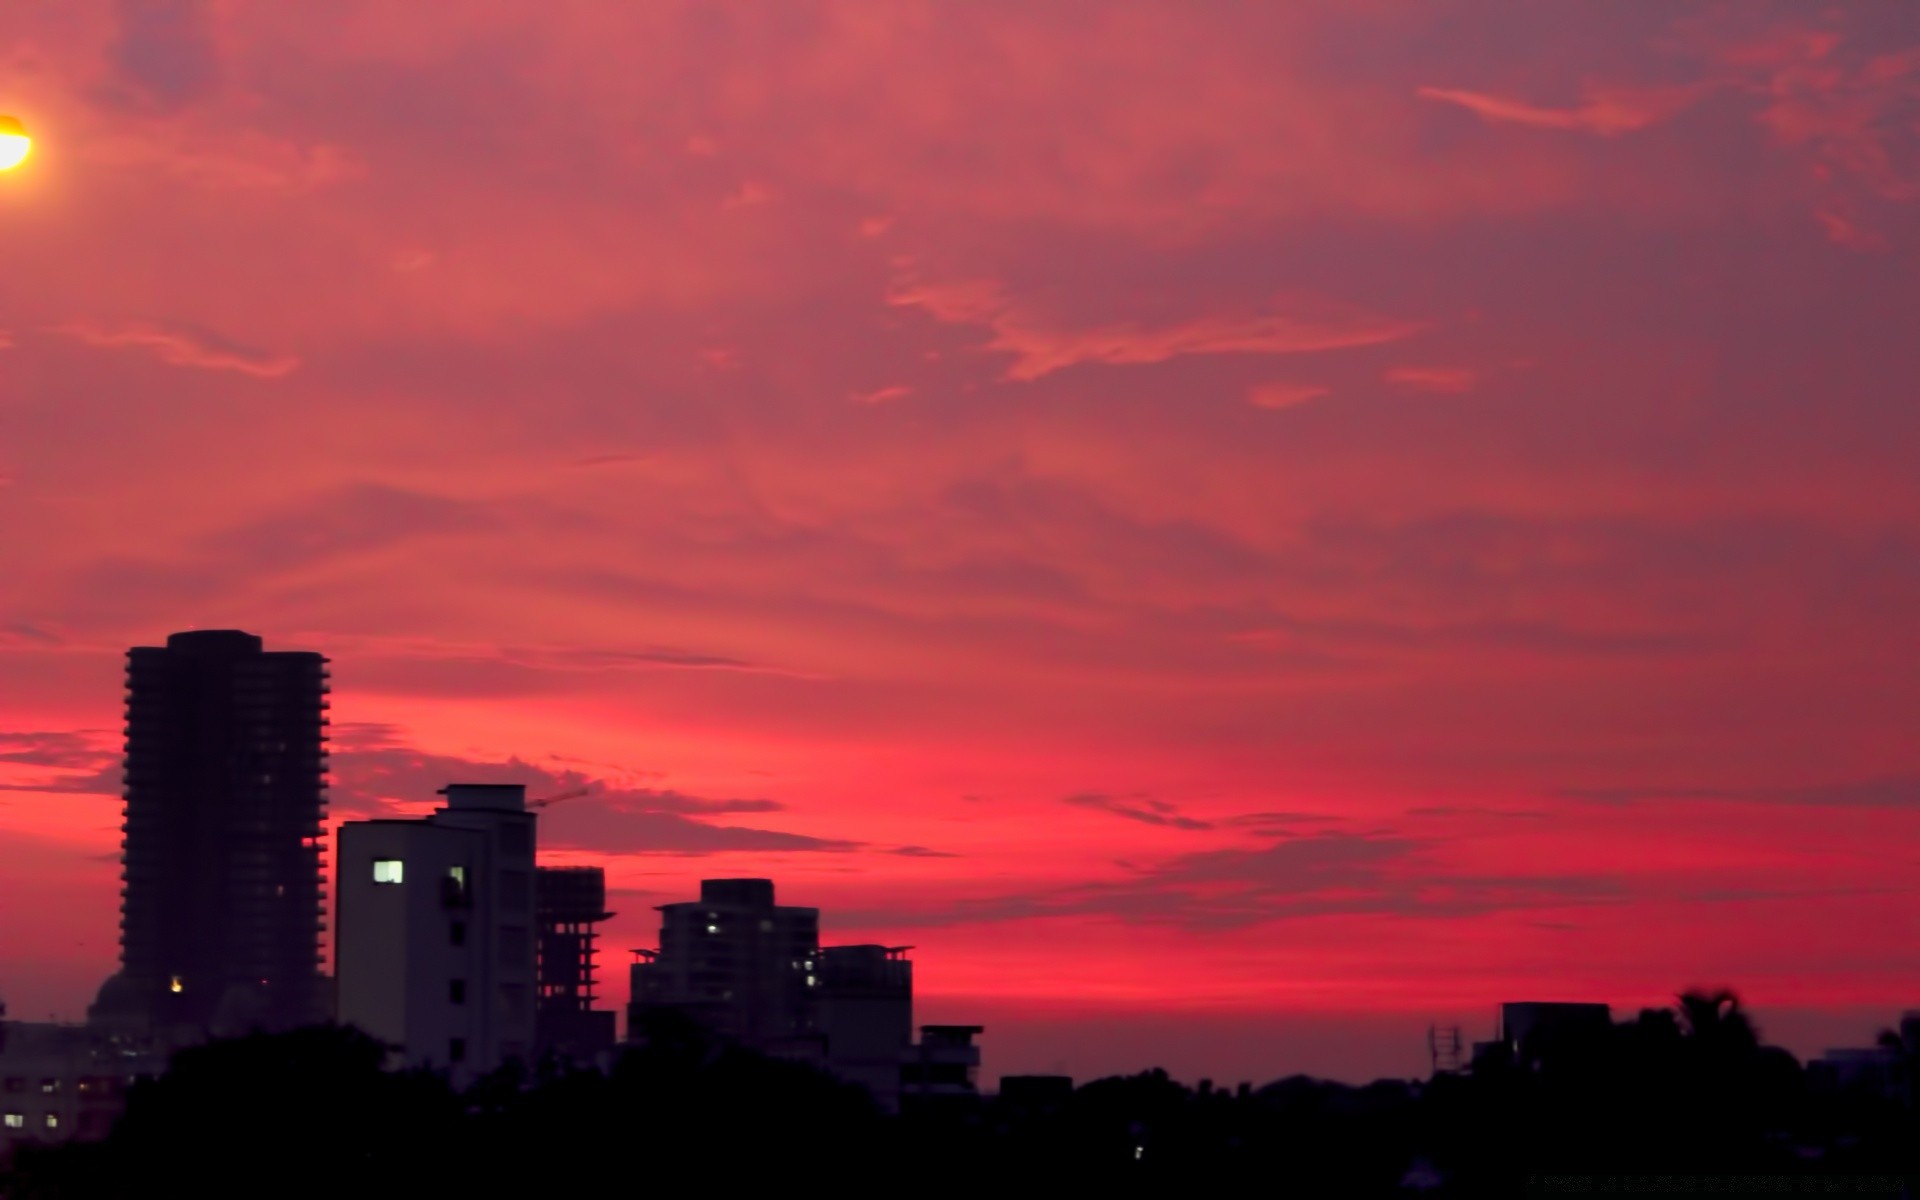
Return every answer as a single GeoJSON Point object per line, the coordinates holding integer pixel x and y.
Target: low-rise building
{"type": "Point", "coordinates": [943, 1066]}
{"type": "Point", "coordinates": [63, 1082]}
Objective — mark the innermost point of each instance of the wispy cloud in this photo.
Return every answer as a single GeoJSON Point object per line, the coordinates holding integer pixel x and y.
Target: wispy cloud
{"type": "Point", "coordinates": [182, 347]}
{"type": "Point", "coordinates": [1144, 809]}
{"type": "Point", "coordinates": [1452, 380]}
{"type": "Point", "coordinates": [1607, 112]}
{"type": "Point", "coordinates": [1040, 345]}
{"type": "Point", "coordinates": [1285, 395]}
{"type": "Point", "coordinates": [1893, 792]}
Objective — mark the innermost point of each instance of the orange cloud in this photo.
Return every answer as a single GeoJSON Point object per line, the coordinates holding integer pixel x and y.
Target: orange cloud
{"type": "Point", "coordinates": [183, 349]}
{"type": "Point", "coordinates": [1041, 346]}
{"type": "Point", "coordinates": [1608, 112]}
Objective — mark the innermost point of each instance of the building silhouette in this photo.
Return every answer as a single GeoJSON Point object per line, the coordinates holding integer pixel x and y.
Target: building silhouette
{"type": "Point", "coordinates": [943, 1066]}
{"type": "Point", "coordinates": [753, 972]}
{"type": "Point", "coordinates": [568, 903]}
{"type": "Point", "coordinates": [865, 1013]}
{"type": "Point", "coordinates": [737, 963]}
{"type": "Point", "coordinates": [1532, 1029]}
{"type": "Point", "coordinates": [225, 794]}
{"type": "Point", "coordinates": [433, 939]}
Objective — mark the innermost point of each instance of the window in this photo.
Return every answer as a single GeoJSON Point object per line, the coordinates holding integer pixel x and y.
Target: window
{"type": "Point", "coordinates": [458, 875]}
{"type": "Point", "coordinates": [16, 1084]}
{"type": "Point", "coordinates": [53, 1120]}
{"type": "Point", "coordinates": [16, 1120]}
{"type": "Point", "coordinates": [174, 985]}
{"type": "Point", "coordinates": [457, 934]}
{"type": "Point", "coordinates": [456, 991]}
{"type": "Point", "coordinates": [386, 870]}
{"type": "Point", "coordinates": [49, 1086]}
{"type": "Point", "coordinates": [457, 1050]}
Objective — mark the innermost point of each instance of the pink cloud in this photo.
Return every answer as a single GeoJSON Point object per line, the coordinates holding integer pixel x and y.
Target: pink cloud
{"type": "Point", "coordinates": [1434, 379]}
{"type": "Point", "coordinates": [1041, 345]}
{"type": "Point", "coordinates": [1285, 395]}
{"type": "Point", "coordinates": [181, 348]}
{"type": "Point", "coordinates": [1608, 112]}
{"type": "Point", "coordinates": [883, 395]}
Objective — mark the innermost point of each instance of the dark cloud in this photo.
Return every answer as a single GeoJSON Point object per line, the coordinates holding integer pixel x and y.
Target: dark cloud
{"type": "Point", "coordinates": [82, 764]}
{"type": "Point", "coordinates": [1136, 808]}
{"type": "Point", "coordinates": [1894, 792]}
{"type": "Point", "coordinates": [920, 852]}
{"type": "Point", "coordinates": [165, 52]}
{"type": "Point", "coordinates": [1327, 874]}
{"type": "Point", "coordinates": [374, 773]}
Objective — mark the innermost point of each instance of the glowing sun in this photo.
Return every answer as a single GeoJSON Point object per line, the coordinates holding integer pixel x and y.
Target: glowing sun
{"type": "Point", "coordinates": [14, 143]}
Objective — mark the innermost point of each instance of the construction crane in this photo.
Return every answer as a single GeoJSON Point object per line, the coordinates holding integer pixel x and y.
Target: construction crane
{"type": "Point", "coordinates": [557, 797]}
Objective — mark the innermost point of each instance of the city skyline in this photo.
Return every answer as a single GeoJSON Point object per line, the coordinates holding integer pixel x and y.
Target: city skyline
{"type": "Point", "coordinates": [1247, 561]}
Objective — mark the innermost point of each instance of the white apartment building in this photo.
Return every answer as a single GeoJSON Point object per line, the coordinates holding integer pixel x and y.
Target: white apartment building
{"type": "Point", "coordinates": [434, 931]}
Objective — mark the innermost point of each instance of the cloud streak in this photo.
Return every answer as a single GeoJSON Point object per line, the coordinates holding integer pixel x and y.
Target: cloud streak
{"type": "Point", "coordinates": [1606, 112]}
{"type": "Point", "coordinates": [182, 348]}
{"type": "Point", "coordinates": [1041, 346]}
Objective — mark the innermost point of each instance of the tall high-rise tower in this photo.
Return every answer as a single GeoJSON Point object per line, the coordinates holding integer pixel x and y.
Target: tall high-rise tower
{"type": "Point", "coordinates": [225, 792]}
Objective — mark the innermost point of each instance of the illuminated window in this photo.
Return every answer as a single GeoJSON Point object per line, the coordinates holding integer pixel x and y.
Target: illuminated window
{"type": "Point", "coordinates": [53, 1120]}
{"type": "Point", "coordinates": [810, 981]}
{"type": "Point", "coordinates": [386, 870]}
{"type": "Point", "coordinates": [49, 1086]}
{"type": "Point", "coordinates": [16, 1120]}
{"type": "Point", "coordinates": [713, 929]}
{"type": "Point", "coordinates": [458, 875]}
{"type": "Point", "coordinates": [174, 985]}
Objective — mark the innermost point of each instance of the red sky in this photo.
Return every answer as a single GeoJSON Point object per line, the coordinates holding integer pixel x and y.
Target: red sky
{"type": "Point", "coordinates": [1236, 529]}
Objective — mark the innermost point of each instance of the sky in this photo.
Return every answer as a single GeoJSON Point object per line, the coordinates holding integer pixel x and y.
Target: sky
{"type": "Point", "coordinates": [1237, 530]}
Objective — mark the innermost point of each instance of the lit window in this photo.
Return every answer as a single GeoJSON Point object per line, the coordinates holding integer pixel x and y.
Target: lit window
{"type": "Point", "coordinates": [810, 981]}
{"type": "Point", "coordinates": [386, 870]}
{"type": "Point", "coordinates": [458, 875]}
{"type": "Point", "coordinates": [174, 985]}
{"type": "Point", "coordinates": [49, 1086]}
{"type": "Point", "coordinates": [713, 929]}
{"type": "Point", "coordinates": [53, 1120]}
{"type": "Point", "coordinates": [16, 1120]}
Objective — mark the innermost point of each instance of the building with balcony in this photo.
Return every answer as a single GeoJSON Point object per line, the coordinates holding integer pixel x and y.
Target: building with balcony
{"type": "Point", "coordinates": [225, 774]}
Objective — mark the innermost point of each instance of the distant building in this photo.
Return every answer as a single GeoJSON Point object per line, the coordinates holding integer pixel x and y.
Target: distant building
{"type": "Point", "coordinates": [865, 1013]}
{"type": "Point", "coordinates": [944, 1065]}
{"type": "Point", "coordinates": [1874, 1069]}
{"type": "Point", "coordinates": [754, 972]}
{"type": "Point", "coordinates": [225, 774]}
{"type": "Point", "coordinates": [736, 962]}
{"type": "Point", "coordinates": [1529, 1029]}
{"type": "Point", "coordinates": [62, 1082]}
{"type": "Point", "coordinates": [568, 903]}
{"type": "Point", "coordinates": [433, 947]}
